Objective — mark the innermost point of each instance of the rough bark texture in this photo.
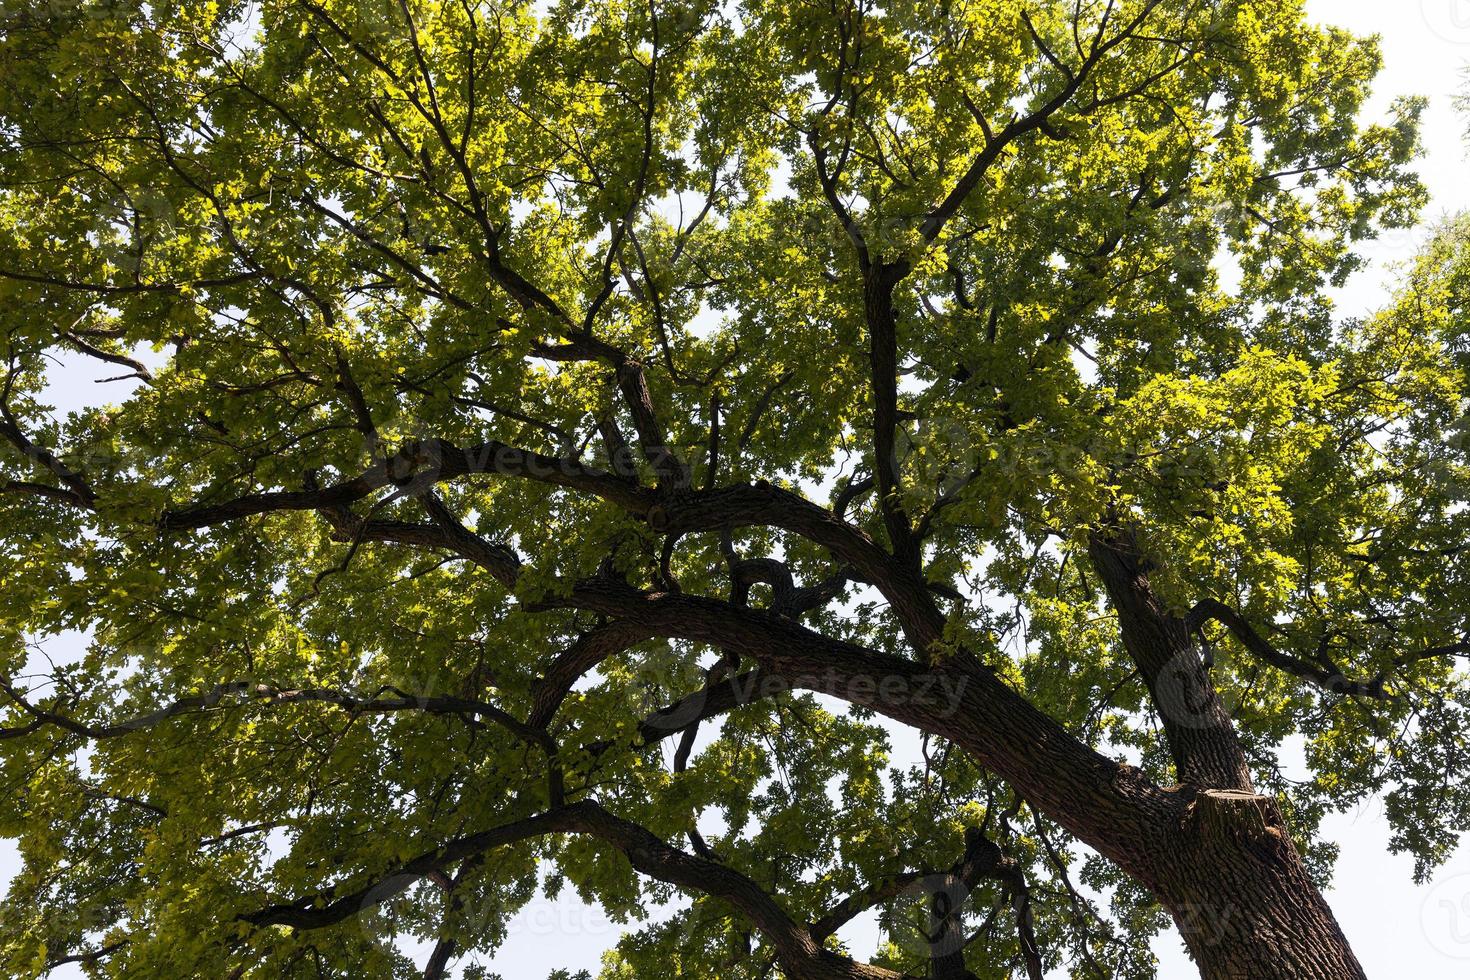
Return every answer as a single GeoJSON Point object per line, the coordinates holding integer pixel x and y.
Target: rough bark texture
{"type": "Point", "coordinates": [1200, 733]}
{"type": "Point", "coordinates": [1219, 860]}
{"type": "Point", "coordinates": [1215, 854]}
{"type": "Point", "coordinates": [1242, 899]}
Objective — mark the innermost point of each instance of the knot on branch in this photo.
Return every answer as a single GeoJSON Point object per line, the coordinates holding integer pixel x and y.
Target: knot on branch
{"type": "Point", "coordinates": [405, 464]}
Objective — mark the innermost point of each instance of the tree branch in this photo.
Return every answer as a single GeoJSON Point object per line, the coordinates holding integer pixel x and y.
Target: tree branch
{"type": "Point", "coordinates": [798, 951]}
{"type": "Point", "coordinates": [1331, 680]}
{"type": "Point", "coordinates": [426, 461]}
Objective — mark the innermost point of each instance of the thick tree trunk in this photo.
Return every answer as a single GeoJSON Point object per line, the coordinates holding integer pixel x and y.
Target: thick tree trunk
{"type": "Point", "coordinates": [1230, 876]}
{"type": "Point", "coordinates": [1242, 899]}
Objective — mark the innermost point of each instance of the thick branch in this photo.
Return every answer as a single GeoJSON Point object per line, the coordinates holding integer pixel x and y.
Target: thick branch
{"type": "Point", "coordinates": [1201, 736]}
{"type": "Point", "coordinates": [1111, 807]}
{"type": "Point", "coordinates": [586, 653]}
{"type": "Point", "coordinates": [798, 951]}
{"type": "Point", "coordinates": [765, 505]}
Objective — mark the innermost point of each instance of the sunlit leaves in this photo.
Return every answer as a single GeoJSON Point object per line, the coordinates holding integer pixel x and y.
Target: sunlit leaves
{"type": "Point", "coordinates": [333, 229]}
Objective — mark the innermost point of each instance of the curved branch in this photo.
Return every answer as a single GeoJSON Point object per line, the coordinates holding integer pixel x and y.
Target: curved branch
{"type": "Point", "coordinates": [249, 692]}
{"type": "Point", "coordinates": [92, 956]}
{"type": "Point", "coordinates": [424, 462]}
{"type": "Point", "coordinates": [763, 504]}
{"type": "Point", "coordinates": [587, 652]}
{"type": "Point", "coordinates": [77, 491]}
{"type": "Point", "coordinates": [800, 954]}
{"type": "Point", "coordinates": [1113, 807]}
{"type": "Point", "coordinates": [1335, 681]}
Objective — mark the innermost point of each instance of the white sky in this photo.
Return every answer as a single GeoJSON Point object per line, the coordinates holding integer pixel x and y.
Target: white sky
{"type": "Point", "coordinates": [1397, 928]}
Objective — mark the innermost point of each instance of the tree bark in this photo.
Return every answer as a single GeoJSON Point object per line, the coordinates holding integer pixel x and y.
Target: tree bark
{"type": "Point", "coordinates": [1218, 859]}
{"type": "Point", "coordinates": [1242, 899]}
{"type": "Point", "coordinates": [1214, 854]}
{"type": "Point", "coordinates": [1230, 875]}
{"type": "Point", "coordinates": [1199, 731]}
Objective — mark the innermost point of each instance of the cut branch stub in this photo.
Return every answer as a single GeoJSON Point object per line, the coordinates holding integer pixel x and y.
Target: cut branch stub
{"type": "Point", "coordinates": [1221, 815]}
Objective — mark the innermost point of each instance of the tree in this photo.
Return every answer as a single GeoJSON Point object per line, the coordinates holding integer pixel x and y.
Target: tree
{"type": "Point", "coordinates": [562, 443]}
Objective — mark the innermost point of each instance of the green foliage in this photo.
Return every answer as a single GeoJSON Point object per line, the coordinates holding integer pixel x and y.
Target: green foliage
{"type": "Point", "coordinates": [294, 221]}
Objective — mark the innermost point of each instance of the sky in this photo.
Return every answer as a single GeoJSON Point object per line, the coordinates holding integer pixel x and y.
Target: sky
{"type": "Point", "coordinates": [1397, 928]}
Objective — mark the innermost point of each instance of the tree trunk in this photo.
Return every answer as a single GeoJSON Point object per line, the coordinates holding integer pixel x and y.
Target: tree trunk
{"type": "Point", "coordinates": [1231, 876]}
{"type": "Point", "coordinates": [1242, 899]}
{"type": "Point", "coordinates": [1198, 729]}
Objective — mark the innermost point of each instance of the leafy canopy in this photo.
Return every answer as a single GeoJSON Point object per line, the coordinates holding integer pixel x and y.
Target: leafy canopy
{"type": "Point", "coordinates": [629, 248]}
